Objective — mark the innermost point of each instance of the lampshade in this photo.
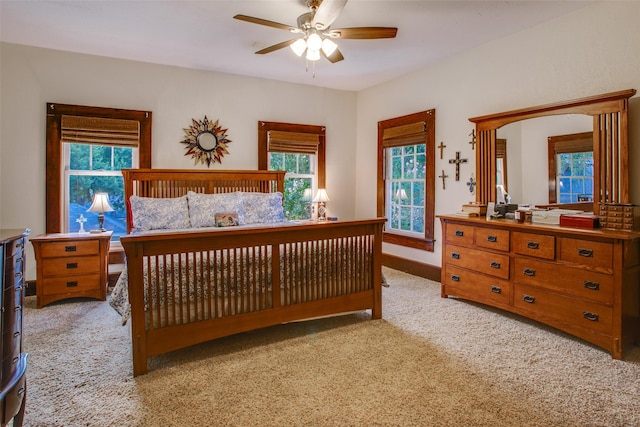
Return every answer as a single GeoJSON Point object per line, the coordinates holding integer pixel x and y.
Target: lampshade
{"type": "Point", "coordinates": [401, 194]}
{"type": "Point", "coordinates": [314, 42]}
{"type": "Point", "coordinates": [313, 55]}
{"type": "Point", "coordinates": [321, 196]}
{"type": "Point", "coordinates": [328, 47]}
{"type": "Point", "coordinates": [299, 46]}
{"type": "Point", "coordinates": [100, 203]}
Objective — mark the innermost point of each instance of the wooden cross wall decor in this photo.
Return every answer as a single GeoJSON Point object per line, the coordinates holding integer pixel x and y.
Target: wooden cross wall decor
{"type": "Point", "coordinates": [457, 162]}
{"type": "Point", "coordinates": [441, 147]}
{"type": "Point", "coordinates": [443, 176]}
{"type": "Point", "coordinates": [473, 139]}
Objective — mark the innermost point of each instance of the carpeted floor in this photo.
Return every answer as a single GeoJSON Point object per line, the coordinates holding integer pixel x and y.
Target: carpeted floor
{"type": "Point", "coordinates": [428, 362]}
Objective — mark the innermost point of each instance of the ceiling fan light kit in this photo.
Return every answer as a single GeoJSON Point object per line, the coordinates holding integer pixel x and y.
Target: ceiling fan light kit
{"type": "Point", "coordinates": [316, 34]}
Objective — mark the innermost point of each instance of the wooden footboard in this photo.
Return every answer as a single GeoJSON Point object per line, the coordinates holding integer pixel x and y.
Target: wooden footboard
{"type": "Point", "coordinates": [204, 285]}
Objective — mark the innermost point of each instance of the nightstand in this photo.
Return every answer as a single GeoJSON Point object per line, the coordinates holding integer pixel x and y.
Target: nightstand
{"type": "Point", "coordinates": [71, 265]}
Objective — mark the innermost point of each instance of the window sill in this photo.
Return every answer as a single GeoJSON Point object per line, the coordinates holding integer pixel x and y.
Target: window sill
{"type": "Point", "coordinates": [411, 242]}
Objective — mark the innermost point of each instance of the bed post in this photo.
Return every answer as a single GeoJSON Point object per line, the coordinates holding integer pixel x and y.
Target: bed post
{"type": "Point", "coordinates": [136, 298]}
{"type": "Point", "coordinates": [376, 311]}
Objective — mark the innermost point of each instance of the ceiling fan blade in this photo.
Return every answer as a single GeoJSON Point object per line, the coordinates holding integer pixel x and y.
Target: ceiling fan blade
{"type": "Point", "coordinates": [336, 56]}
{"type": "Point", "coordinates": [272, 24]}
{"type": "Point", "coordinates": [276, 47]}
{"type": "Point", "coordinates": [327, 12]}
{"type": "Point", "coordinates": [363, 33]}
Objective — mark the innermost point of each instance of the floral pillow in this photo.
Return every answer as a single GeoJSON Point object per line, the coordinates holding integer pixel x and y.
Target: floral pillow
{"type": "Point", "coordinates": [203, 207]}
{"type": "Point", "coordinates": [261, 208]}
{"type": "Point", "coordinates": [226, 219]}
{"type": "Point", "coordinates": [151, 213]}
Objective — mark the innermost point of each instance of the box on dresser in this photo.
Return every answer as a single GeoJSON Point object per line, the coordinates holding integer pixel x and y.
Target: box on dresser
{"type": "Point", "coordinates": [619, 216]}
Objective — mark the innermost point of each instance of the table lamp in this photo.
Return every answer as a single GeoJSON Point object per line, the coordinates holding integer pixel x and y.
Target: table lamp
{"type": "Point", "coordinates": [100, 205]}
{"type": "Point", "coordinates": [321, 198]}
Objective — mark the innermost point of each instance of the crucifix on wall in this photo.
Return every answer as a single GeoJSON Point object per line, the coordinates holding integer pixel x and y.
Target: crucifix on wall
{"type": "Point", "coordinates": [443, 177]}
{"type": "Point", "coordinates": [457, 162]}
{"type": "Point", "coordinates": [441, 147]}
{"type": "Point", "coordinates": [473, 139]}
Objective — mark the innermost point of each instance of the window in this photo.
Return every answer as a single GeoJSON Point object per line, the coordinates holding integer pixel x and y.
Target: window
{"type": "Point", "coordinates": [571, 171]}
{"type": "Point", "coordinates": [405, 179]}
{"type": "Point", "coordinates": [86, 148]}
{"type": "Point", "coordinates": [300, 151]}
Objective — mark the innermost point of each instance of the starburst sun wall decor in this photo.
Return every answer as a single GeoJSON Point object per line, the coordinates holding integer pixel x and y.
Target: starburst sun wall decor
{"type": "Point", "coordinates": [206, 141]}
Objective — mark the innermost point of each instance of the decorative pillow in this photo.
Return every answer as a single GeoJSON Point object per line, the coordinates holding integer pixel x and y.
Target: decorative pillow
{"type": "Point", "coordinates": [151, 213]}
{"type": "Point", "coordinates": [203, 207]}
{"type": "Point", "coordinates": [226, 219]}
{"type": "Point", "coordinates": [261, 208]}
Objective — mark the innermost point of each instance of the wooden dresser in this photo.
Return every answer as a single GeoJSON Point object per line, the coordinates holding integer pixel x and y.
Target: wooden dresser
{"type": "Point", "coordinates": [13, 378]}
{"type": "Point", "coordinates": [71, 265]}
{"type": "Point", "coordinates": [583, 282]}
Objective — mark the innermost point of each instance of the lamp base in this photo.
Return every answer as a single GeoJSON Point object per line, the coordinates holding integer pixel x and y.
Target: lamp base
{"type": "Point", "coordinates": [322, 212]}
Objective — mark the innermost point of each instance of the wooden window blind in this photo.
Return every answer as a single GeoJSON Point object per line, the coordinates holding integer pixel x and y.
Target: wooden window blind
{"type": "Point", "coordinates": [292, 142]}
{"type": "Point", "coordinates": [573, 143]}
{"type": "Point", "coordinates": [410, 134]}
{"type": "Point", "coordinates": [100, 130]}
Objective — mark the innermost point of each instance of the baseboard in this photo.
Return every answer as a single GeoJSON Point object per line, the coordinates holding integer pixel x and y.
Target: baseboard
{"type": "Point", "coordinates": [410, 266]}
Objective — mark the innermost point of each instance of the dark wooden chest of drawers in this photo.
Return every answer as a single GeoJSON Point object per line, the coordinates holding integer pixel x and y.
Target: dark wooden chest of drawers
{"type": "Point", "coordinates": [13, 379]}
{"type": "Point", "coordinates": [584, 282]}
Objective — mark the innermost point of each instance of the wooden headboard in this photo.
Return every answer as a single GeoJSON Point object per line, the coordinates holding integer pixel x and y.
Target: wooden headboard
{"type": "Point", "coordinates": [163, 183]}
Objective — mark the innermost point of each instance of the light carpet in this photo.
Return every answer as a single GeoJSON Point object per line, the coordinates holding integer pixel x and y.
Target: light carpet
{"type": "Point", "coordinates": [428, 362]}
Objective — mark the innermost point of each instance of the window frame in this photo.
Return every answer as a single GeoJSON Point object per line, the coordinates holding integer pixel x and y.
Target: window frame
{"type": "Point", "coordinates": [55, 151]}
{"type": "Point", "coordinates": [427, 241]}
{"type": "Point", "coordinates": [570, 143]}
{"type": "Point", "coordinates": [265, 127]}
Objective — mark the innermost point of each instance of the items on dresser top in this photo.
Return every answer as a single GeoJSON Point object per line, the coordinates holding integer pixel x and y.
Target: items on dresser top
{"type": "Point", "coordinates": [71, 265]}
{"type": "Point", "coordinates": [13, 379]}
{"type": "Point", "coordinates": [583, 282]}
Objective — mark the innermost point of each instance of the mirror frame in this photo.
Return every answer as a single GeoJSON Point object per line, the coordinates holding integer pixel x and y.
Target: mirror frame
{"type": "Point", "coordinates": [610, 143]}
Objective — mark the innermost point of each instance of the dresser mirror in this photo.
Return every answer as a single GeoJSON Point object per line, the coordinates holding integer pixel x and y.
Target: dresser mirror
{"type": "Point", "coordinates": [605, 116]}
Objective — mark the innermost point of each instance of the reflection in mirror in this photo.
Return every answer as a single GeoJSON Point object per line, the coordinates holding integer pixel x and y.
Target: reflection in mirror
{"type": "Point", "coordinates": [527, 166]}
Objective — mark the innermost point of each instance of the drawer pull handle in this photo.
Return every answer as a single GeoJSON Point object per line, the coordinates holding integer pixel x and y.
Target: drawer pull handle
{"type": "Point", "coordinates": [495, 264]}
{"type": "Point", "coordinates": [528, 298]}
{"type": "Point", "coordinates": [16, 334]}
{"type": "Point", "coordinates": [20, 392]}
{"type": "Point", "coordinates": [595, 286]}
{"type": "Point", "coordinates": [17, 308]}
{"type": "Point", "coordinates": [455, 255]}
{"type": "Point", "coordinates": [70, 248]}
{"type": "Point", "coordinates": [18, 288]}
{"type": "Point", "coordinates": [492, 239]}
{"type": "Point", "coordinates": [20, 245]}
{"type": "Point", "coordinates": [455, 278]}
{"type": "Point", "coordinates": [15, 360]}
{"type": "Point", "coordinates": [72, 265]}
{"type": "Point", "coordinates": [585, 252]}
{"type": "Point", "coordinates": [459, 233]}
{"type": "Point", "coordinates": [72, 284]}
{"type": "Point", "coordinates": [533, 245]}
{"type": "Point", "coordinates": [529, 272]}
{"type": "Point", "coordinates": [496, 289]}
{"type": "Point", "coordinates": [18, 274]}
{"type": "Point", "coordinates": [590, 316]}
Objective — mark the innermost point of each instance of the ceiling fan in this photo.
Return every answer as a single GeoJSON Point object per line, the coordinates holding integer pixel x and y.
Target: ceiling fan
{"type": "Point", "coordinates": [315, 35]}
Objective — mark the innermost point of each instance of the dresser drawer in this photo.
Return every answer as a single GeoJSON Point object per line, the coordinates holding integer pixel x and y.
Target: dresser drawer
{"type": "Point", "coordinates": [70, 248]}
{"type": "Point", "coordinates": [460, 234]}
{"type": "Point", "coordinates": [597, 287]}
{"type": "Point", "coordinates": [549, 307]}
{"type": "Point", "coordinates": [14, 397]}
{"type": "Point", "coordinates": [586, 252]}
{"type": "Point", "coordinates": [477, 260]}
{"type": "Point", "coordinates": [12, 343]}
{"type": "Point", "coordinates": [536, 245]}
{"type": "Point", "coordinates": [70, 266]}
{"type": "Point", "coordinates": [492, 239]}
{"type": "Point", "coordinates": [80, 283]}
{"type": "Point", "coordinates": [477, 287]}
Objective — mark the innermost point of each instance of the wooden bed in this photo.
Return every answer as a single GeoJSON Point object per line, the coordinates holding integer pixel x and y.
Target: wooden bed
{"type": "Point", "coordinates": [208, 283]}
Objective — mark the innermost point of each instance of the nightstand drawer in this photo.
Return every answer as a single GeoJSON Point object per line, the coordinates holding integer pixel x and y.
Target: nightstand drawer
{"type": "Point", "coordinates": [59, 285]}
{"type": "Point", "coordinates": [70, 248]}
{"type": "Point", "coordinates": [71, 266]}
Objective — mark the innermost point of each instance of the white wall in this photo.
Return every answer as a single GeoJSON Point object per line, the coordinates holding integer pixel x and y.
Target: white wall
{"type": "Point", "coordinates": [592, 51]}
{"type": "Point", "coordinates": [31, 77]}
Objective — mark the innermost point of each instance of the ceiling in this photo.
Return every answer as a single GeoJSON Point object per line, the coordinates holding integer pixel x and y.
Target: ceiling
{"type": "Point", "coordinates": [203, 35]}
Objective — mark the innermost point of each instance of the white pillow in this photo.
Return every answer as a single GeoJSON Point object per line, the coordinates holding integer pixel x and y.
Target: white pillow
{"type": "Point", "coordinates": [261, 208]}
{"type": "Point", "coordinates": [151, 213]}
{"type": "Point", "coordinates": [204, 207]}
